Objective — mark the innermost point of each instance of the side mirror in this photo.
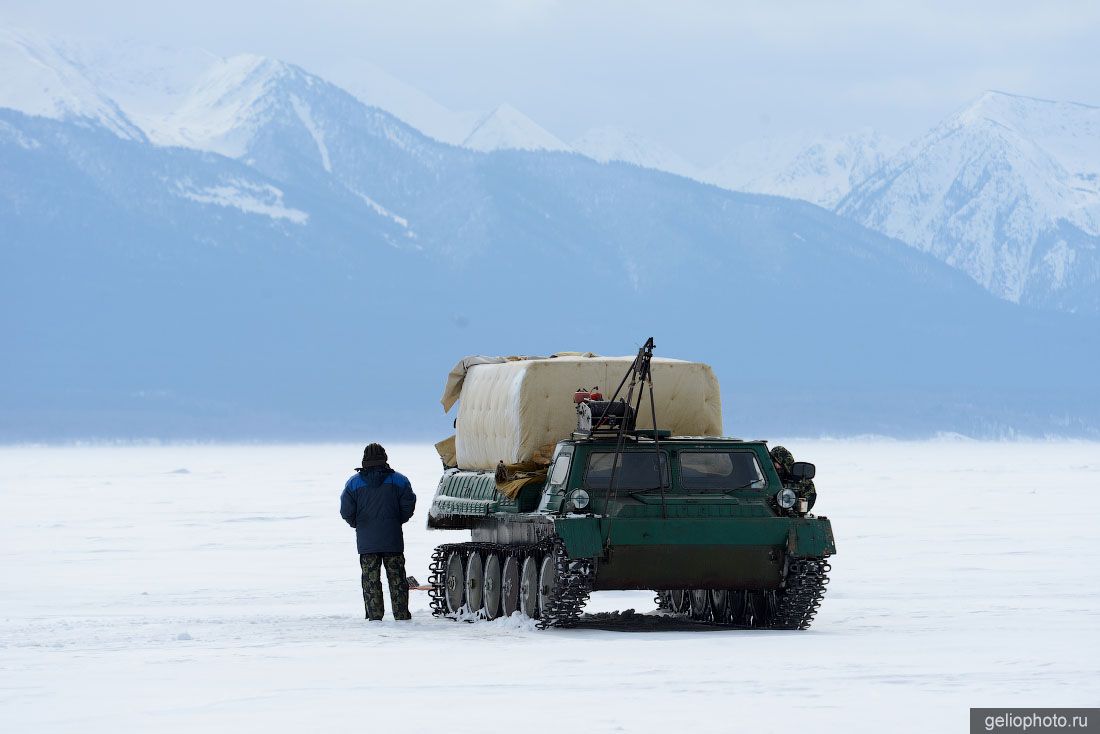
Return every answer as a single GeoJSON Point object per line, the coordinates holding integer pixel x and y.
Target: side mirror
{"type": "Point", "coordinates": [803, 470]}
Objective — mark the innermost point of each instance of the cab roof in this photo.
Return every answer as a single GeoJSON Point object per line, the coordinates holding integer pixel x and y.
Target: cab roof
{"type": "Point", "coordinates": [633, 439]}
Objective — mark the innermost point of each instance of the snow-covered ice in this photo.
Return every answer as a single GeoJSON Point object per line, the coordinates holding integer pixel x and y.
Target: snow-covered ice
{"type": "Point", "coordinates": [215, 588]}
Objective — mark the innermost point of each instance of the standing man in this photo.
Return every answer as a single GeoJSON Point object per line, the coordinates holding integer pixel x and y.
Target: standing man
{"type": "Point", "coordinates": [377, 501]}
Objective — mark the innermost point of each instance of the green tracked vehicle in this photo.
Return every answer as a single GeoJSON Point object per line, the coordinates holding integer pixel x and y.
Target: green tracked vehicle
{"type": "Point", "coordinates": [704, 521]}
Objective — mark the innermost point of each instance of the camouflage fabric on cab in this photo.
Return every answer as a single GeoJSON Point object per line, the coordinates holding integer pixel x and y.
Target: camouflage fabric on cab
{"type": "Point", "coordinates": [394, 563]}
{"type": "Point", "coordinates": [780, 455]}
{"type": "Point", "coordinates": [805, 487]}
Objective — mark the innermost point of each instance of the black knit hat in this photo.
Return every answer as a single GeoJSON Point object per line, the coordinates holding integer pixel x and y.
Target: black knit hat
{"type": "Point", "coordinates": [374, 455]}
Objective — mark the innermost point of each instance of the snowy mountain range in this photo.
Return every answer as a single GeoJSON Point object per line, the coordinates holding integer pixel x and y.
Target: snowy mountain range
{"type": "Point", "coordinates": [1006, 189]}
{"type": "Point", "coordinates": [264, 255]}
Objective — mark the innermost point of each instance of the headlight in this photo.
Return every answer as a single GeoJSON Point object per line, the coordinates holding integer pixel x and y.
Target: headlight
{"type": "Point", "coordinates": [786, 498]}
{"type": "Point", "coordinates": [579, 499]}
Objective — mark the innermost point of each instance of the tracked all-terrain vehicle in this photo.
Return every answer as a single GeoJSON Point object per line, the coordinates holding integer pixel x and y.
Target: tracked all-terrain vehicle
{"type": "Point", "coordinates": [704, 521]}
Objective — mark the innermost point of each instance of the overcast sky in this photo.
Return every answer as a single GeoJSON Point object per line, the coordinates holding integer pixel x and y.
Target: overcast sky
{"type": "Point", "coordinates": [694, 75]}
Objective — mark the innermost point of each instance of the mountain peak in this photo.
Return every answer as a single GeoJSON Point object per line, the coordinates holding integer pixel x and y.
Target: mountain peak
{"type": "Point", "coordinates": [1067, 131]}
{"type": "Point", "coordinates": [40, 80]}
{"type": "Point", "coordinates": [508, 128]}
{"type": "Point", "coordinates": [1016, 110]}
{"type": "Point", "coordinates": [998, 107]}
{"type": "Point", "coordinates": [223, 105]}
{"type": "Point", "coordinates": [1007, 189]}
{"type": "Point", "coordinates": [243, 67]}
{"type": "Point", "coordinates": [243, 78]}
{"type": "Point", "coordinates": [995, 99]}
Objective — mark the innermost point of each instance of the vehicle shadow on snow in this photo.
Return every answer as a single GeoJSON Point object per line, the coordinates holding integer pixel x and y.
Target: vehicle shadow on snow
{"type": "Point", "coordinates": [631, 621]}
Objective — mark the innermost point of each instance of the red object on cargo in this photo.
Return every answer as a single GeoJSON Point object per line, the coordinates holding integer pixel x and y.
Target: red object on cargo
{"type": "Point", "coordinates": [595, 394]}
{"type": "Point", "coordinates": [581, 395]}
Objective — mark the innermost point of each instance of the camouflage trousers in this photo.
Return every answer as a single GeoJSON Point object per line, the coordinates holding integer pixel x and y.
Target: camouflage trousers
{"type": "Point", "coordinates": [371, 564]}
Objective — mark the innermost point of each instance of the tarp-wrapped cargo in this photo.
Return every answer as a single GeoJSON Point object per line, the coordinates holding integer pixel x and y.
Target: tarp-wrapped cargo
{"type": "Point", "coordinates": [512, 410]}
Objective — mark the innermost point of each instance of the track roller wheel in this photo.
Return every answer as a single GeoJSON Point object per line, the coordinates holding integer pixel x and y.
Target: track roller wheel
{"type": "Point", "coordinates": [678, 601]}
{"type": "Point", "coordinates": [720, 605]}
{"type": "Point", "coordinates": [548, 582]}
{"type": "Point", "coordinates": [763, 606]}
{"type": "Point", "coordinates": [491, 586]}
{"type": "Point", "coordinates": [509, 586]}
{"type": "Point", "coordinates": [529, 587]}
{"type": "Point", "coordinates": [454, 582]}
{"type": "Point", "coordinates": [699, 601]}
{"type": "Point", "coordinates": [738, 607]}
{"type": "Point", "coordinates": [475, 580]}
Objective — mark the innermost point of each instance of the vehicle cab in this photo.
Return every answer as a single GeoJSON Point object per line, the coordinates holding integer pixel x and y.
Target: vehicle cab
{"type": "Point", "coordinates": [669, 477]}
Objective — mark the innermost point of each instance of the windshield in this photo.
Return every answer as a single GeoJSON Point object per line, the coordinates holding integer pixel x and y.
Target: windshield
{"type": "Point", "coordinates": [714, 470]}
{"type": "Point", "coordinates": [636, 470]}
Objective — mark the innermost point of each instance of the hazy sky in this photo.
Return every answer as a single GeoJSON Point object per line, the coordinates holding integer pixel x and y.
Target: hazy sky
{"type": "Point", "coordinates": [694, 75]}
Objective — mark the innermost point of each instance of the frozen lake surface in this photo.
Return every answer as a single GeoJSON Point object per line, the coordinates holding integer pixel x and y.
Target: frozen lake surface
{"type": "Point", "coordinates": [215, 588]}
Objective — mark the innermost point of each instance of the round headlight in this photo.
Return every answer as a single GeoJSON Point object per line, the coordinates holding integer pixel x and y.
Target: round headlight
{"type": "Point", "coordinates": [579, 499]}
{"type": "Point", "coordinates": [786, 498]}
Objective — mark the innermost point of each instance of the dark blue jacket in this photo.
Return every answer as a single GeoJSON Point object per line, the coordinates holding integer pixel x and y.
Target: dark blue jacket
{"type": "Point", "coordinates": [377, 502]}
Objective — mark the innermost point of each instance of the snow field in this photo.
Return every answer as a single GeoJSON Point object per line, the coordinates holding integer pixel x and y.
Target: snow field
{"type": "Point", "coordinates": [215, 588]}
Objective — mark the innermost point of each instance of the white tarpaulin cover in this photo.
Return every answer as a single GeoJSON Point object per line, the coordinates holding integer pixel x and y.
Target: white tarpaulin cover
{"type": "Point", "coordinates": [509, 411]}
